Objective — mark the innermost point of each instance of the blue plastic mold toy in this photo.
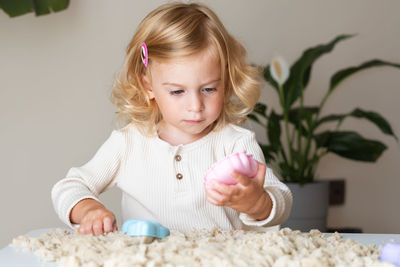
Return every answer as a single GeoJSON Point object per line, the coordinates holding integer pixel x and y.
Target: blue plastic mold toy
{"type": "Point", "coordinates": [391, 253]}
{"type": "Point", "coordinates": [141, 227]}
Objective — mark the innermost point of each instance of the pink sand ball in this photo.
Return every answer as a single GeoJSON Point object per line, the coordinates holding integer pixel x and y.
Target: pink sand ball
{"type": "Point", "coordinates": [241, 162]}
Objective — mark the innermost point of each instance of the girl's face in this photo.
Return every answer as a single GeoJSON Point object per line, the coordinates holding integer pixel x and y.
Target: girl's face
{"type": "Point", "coordinates": [189, 94]}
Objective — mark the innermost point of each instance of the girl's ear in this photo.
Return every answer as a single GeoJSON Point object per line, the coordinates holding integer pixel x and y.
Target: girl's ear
{"type": "Point", "coordinates": [147, 86]}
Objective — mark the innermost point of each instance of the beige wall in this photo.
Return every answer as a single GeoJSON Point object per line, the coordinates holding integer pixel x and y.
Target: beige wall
{"type": "Point", "coordinates": [56, 72]}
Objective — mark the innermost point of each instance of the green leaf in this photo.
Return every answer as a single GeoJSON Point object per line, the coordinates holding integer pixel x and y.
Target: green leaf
{"type": "Point", "coordinates": [350, 145]}
{"type": "Point", "coordinates": [291, 174]}
{"type": "Point", "coordinates": [371, 116]}
{"type": "Point", "coordinates": [330, 118]}
{"type": "Point", "coordinates": [261, 109]}
{"type": "Point", "coordinates": [307, 75]}
{"type": "Point", "coordinates": [287, 172]}
{"type": "Point", "coordinates": [339, 76]}
{"type": "Point", "coordinates": [16, 7]}
{"type": "Point", "coordinates": [269, 79]}
{"type": "Point", "coordinates": [58, 5]}
{"type": "Point", "coordinates": [274, 131]}
{"type": "Point", "coordinates": [268, 152]}
{"type": "Point", "coordinates": [41, 7]}
{"type": "Point", "coordinates": [254, 118]}
{"type": "Point", "coordinates": [322, 139]}
{"type": "Point", "coordinates": [301, 69]}
{"type": "Point", "coordinates": [298, 115]}
{"type": "Point", "coordinates": [376, 119]}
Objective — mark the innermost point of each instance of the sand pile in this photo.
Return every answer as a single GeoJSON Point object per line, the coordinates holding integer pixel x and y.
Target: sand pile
{"type": "Point", "coordinates": [202, 248]}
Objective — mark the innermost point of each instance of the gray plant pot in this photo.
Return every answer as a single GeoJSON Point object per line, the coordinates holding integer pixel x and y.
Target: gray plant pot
{"type": "Point", "coordinates": [310, 206]}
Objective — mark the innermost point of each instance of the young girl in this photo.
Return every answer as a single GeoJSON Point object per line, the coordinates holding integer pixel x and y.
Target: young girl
{"type": "Point", "coordinates": [183, 89]}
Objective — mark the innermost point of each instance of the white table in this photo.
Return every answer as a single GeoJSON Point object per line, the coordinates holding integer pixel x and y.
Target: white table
{"type": "Point", "coordinates": [13, 258]}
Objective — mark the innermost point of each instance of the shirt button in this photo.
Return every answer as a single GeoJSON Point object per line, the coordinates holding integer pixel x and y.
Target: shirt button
{"type": "Point", "coordinates": [179, 176]}
{"type": "Point", "coordinates": [178, 157]}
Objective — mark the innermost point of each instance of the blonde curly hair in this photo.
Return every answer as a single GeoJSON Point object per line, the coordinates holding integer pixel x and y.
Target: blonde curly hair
{"type": "Point", "coordinates": [177, 30]}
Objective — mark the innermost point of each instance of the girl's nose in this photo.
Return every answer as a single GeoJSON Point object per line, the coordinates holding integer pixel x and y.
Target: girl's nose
{"type": "Point", "coordinates": [196, 103]}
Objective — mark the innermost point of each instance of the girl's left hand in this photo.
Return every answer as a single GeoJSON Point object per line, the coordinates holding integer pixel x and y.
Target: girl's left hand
{"type": "Point", "coordinates": [247, 196]}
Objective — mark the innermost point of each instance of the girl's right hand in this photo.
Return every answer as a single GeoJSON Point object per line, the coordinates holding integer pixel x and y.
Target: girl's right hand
{"type": "Point", "coordinates": [93, 217]}
{"type": "Point", "coordinates": [98, 221]}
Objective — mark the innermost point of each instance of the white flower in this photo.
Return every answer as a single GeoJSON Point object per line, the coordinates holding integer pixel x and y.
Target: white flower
{"type": "Point", "coordinates": [279, 70]}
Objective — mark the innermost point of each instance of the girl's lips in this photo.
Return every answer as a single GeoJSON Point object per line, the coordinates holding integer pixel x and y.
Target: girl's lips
{"type": "Point", "coordinates": [193, 121]}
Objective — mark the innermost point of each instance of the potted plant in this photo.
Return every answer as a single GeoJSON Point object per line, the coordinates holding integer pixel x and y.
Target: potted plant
{"type": "Point", "coordinates": [297, 142]}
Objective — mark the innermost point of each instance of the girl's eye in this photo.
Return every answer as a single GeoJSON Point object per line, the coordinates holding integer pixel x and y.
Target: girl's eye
{"type": "Point", "coordinates": [209, 89]}
{"type": "Point", "coordinates": [176, 92]}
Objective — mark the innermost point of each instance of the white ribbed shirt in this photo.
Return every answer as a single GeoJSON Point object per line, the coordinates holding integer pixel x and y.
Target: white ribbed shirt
{"type": "Point", "coordinates": [146, 169]}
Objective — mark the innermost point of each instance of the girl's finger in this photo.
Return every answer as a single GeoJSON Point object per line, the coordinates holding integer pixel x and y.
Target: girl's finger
{"type": "Point", "coordinates": [223, 189]}
{"type": "Point", "coordinates": [211, 188]}
{"type": "Point", "coordinates": [260, 176]}
{"type": "Point", "coordinates": [97, 227]}
{"type": "Point", "coordinates": [85, 228]}
{"type": "Point", "coordinates": [212, 201]}
{"type": "Point", "coordinates": [215, 196]}
{"type": "Point", "coordinates": [240, 178]}
{"type": "Point", "coordinates": [108, 224]}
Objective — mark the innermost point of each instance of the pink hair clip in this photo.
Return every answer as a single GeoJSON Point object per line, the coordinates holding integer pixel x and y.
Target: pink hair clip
{"type": "Point", "coordinates": [144, 54]}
